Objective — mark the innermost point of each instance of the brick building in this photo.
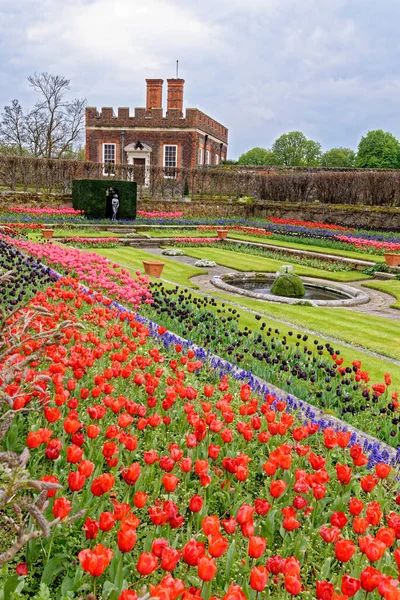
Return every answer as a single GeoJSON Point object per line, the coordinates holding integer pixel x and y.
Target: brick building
{"type": "Point", "coordinates": [151, 138]}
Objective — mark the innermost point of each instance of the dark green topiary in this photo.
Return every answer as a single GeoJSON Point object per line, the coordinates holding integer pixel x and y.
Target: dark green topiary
{"type": "Point", "coordinates": [288, 285]}
{"type": "Point", "coordinates": [90, 195]}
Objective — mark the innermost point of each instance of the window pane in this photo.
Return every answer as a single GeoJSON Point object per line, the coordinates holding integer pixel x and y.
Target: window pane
{"type": "Point", "coordinates": [170, 156]}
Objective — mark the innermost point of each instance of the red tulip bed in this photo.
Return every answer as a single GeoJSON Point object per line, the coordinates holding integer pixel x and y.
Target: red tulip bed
{"type": "Point", "coordinates": [192, 484]}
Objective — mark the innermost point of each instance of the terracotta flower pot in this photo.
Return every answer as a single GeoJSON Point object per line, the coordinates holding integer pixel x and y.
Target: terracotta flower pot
{"type": "Point", "coordinates": [153, 267]}
{"type": "Point", "coordinates": [47, 233]}
{"type": "Point", "coordinates": [222, 233]}
{"type": "Point", "coordinates": [392, 259]}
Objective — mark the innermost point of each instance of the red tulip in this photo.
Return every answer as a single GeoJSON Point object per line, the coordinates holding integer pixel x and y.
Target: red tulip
{"type": "Point", "coordinates": [343, 473]}
{"type": "Point", "coordinates": [192, 551]}
{"type": "Point", "coordinates": [90, 528]}
{"type": "Point", "coordinates": [158, 546]}
{"type": "Point", "coordinates": [217, 545]}
{"type": "Point", "coordinates": [102, 484]}
{"type": "Point", "coordinates": [382, 470]}
{"type": "Point", "coordinates": [375, 550]}
{"type": "Point", "coordinates": [206, 568]}
{"type": "Point", "coordinates": [95, 561]}
{"type": "Point", "coordinates": [324, 590]}
{"type": "Point", "coordinates": [126, 539]}
{"type": "Point", "coordinates": [338, 519]}
{"type": "Point", "coordinates": [169, 558]}
{"type": "Point", "coordinates": [370, 579]}
{"type": "Point", "coordinates": [76, 481]}
{"type": "Point", "coordinates": [196, 503]}
{"type": "Point", "coordinates": [244, 514]}
{"type": "Point", "coordinates": [147, 563]}
{"type": "Point", "coordinates": [50, 479]}
{"type": "Point", "coordinates": [128, 595]}
{"type": "Point", "coordinates": [210, 525]}
{"type": "Point", "coordinates": [21, 569]}
{"type": "Point", "coordinates": [257, 546]}
{"type": "Point", "coordinates": [61, 508]}
{"type": "Point", "coordinates": [350, 586]}
{"type": "Point", "coordinates": [106, 521]}
{"type": "Point", "coordinates": [140, 499]}
{"type": "Point", "coordinates": [258, 578]}
{"type": "Point", "coordinates": [229, 525]}
{"type": "Point", "coordinates": [277, 488]}
{"type": "Point", "coordinates": [74, 454]}
{"type": "Point", "coordinates": [261, 506]}
{"type": "Point", "coordinates": [344, 550]}
{"type": "Point", "coordinates": [170, 482]}
{"type": "Point", "coordinates": [131, 474]}
{"type": "Point", "coordinates": [356, 506]}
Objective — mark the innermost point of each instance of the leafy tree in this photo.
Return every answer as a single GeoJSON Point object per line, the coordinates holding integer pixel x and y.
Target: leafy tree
{"type": "Point", "coordinates": [257, 156]}
{"type": "Point", "coordinates": [294, 149]}
{"type": "Point", "coordinates": [378, 149]}
{"type": "Point", "coordinates": [53, 127]}
{"type": "Point", "coordinates": [338, 157]}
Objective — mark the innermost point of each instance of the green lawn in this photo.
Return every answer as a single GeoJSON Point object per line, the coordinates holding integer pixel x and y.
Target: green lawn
{"type": "Point", "coordinates": [132, 258]}
{"type": "Point", "coordinates": [373, 333]}
{"type": "Point", "coordinates": [246, 262]}
{"type": "Point", "coordinates": [268, 240]}
{"type": "Point", "coordinates": [86, 233]}
{"type": "Point", "coordinates": [391, 287]}
{"type": "Point", "coordinates": [308, 247]}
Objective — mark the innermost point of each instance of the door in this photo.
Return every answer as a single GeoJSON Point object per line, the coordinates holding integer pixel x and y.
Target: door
{"type": "Point", "coordinates": [139, 173]}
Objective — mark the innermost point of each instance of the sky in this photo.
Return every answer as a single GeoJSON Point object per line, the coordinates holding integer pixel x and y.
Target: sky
{"type": "Point", "coordinates": [328, 68]}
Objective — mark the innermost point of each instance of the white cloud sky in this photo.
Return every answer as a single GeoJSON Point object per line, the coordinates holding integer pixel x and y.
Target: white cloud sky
{"type": "Point", "coordinates": [261, 67]}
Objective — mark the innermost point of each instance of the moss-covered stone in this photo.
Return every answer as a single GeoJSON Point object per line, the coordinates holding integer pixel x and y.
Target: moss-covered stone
{"type": "Point", "coordinates": [288, 285]}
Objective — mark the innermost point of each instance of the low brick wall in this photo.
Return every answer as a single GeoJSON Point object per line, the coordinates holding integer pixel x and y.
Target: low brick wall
{"type": "Point", "coordinates": [367, 217]}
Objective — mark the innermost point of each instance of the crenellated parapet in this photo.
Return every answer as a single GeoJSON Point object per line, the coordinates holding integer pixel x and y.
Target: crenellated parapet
{"type": "Point", "coordinates": [155, 117]}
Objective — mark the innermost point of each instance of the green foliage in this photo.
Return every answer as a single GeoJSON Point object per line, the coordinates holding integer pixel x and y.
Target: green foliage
{"type": "Point", "coordinates": [338, 157]}
{"type": "Point", "coordinates": [288, 285]}
{"type": "Point", "coordinates": [378, 149]}
{"type": "Point", "coordinates": [90, 195]}
{"type": "Point", "coordinates": [258, 157]}
{"type": "Point", "coordinates": [295, 150]}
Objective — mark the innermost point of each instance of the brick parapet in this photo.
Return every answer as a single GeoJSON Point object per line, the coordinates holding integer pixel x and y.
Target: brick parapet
{"type": "Point", "coordinates": [155, 117]}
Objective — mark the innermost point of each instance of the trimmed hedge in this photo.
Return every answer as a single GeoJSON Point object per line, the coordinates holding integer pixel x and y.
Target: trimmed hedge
{"type": "Point", "coordinates": [288, 285]}
{"type": "Point", "coordinates": [90, 195]}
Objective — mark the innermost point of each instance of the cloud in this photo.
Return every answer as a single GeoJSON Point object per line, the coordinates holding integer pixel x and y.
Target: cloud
{"type": "Point", "coordinates": [261, 67]}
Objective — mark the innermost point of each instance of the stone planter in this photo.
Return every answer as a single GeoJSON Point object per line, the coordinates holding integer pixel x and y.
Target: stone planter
{"type": "Point", "coordinates": [153, 268]}
{"type": "Point", "coordinates": [47, 233]}
{"type": "Point", "coordinates": [222, 233]}
{"type": "Point", "coordinates": [392, 259]}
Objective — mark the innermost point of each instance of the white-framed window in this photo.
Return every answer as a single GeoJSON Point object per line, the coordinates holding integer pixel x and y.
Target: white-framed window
{"type": "Point", "coordinates": [109, 151]}
{"type": "Point", "coordinates": [200, 156]}
{"type": "Point", "coordinates": [217, 159]}
{"type": "Point", "coordinates": [208, 157]}
{"type": "Point", "coordinates": [170, 160]}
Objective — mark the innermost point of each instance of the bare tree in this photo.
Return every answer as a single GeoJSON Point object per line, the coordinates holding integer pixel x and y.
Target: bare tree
{"type": "Point", "coordinates": [55, 124]}
{"type": "Point", "coordinates": [63, 120]}
{"type": "Point", "coordinates": [13, 127]}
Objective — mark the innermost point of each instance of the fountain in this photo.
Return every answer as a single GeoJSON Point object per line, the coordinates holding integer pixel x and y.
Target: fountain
{"type": "Point", "coordinates": [288, 288]}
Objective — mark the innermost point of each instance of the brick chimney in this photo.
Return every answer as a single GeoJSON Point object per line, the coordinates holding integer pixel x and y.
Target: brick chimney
{"type": "Point", "coordinates": [175, 94]}
{"type": "Point", "coordinates": [154, 93]}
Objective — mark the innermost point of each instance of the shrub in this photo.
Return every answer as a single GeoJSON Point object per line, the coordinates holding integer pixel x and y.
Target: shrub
{"type": "Point", "coordinates": [288, 285]}
{"type": "Point", "coordinates": [90, 195]}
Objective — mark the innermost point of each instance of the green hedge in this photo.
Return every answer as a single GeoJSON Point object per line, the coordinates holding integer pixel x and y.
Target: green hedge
{"type": "Point", "coordinates": [90, 195]}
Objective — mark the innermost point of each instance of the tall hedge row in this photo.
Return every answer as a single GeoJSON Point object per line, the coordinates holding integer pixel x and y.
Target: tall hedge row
{"type": "Point", "coordinates": [362, 187]}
